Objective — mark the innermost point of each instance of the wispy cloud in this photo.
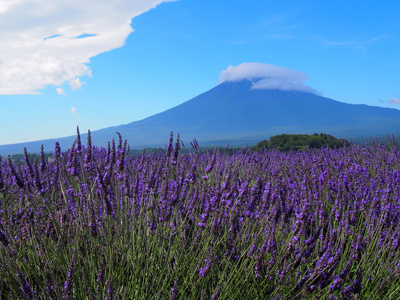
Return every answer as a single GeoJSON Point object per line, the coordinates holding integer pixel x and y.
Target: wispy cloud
{"type": "Point", "coordinates": [51, 42]}
{"type": "Point", "coordinates": [73, 111]}
{"type": "Point", "coordinates": [394, 101]}
{"type": "Point", "coordinates": [328, 42]}
{"type": "Point", "coordinates": [61, 92]}
{"type": "Point", "coordinates": [268, 77]}
{"type": "Point", "coordinates": [75, 83]}
{"type": "Point", "coordinates": [356, 42]}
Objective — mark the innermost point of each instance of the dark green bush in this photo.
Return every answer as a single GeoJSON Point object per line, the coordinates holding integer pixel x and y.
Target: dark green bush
{"type": "Point", "coordinates": [287, 142]}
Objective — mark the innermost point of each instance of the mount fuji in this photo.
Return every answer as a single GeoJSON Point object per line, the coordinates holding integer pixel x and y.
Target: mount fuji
{"type": "Point", "coordinates": [236, 113]}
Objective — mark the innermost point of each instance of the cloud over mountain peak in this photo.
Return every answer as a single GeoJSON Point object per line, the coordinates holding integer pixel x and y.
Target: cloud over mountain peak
{"type": "Point", "coordinates": [267, 77]}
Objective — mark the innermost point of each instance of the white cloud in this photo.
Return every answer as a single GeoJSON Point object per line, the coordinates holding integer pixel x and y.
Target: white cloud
{"type": "Point", "coordinates": [6, 5]}
{"type": "Point", "coordinates": [75, 84]}
{"type": "Point", "coordinates": [61, 92]}
{"type": "Point", "coordinates": [39, 44]}
{"type": "Point", "coordinates": [394, 101]}
{"type": "Point", "coordinates": [73, 111]}
{"type": "Point", "coordinates": [267, 77]}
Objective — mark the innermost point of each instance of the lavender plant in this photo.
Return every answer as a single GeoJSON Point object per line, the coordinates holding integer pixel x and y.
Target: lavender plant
{"type": "Point", "coordinates": [98, 223]}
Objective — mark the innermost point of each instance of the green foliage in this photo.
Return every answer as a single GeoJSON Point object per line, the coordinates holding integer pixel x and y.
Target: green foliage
{"type": "Point", "coordinates": [19, 160]}
{"type": "Point", "coordinates": [299, 142]}
{"type": "Point", "coordinates": [260, 145]}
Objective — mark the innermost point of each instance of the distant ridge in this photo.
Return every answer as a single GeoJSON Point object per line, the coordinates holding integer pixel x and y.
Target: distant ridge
{"type": "Point", "coordinates": [233, 113]}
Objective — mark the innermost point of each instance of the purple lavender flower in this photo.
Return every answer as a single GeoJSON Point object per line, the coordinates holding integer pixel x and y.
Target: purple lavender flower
{"type": "Point", "coordinates": [203, 271]}
{"type": "Point", "coordinates": [170, 146]}
{"type": "Point", "coordinates": [174, 291]}
{"type": "Point", "coordinates": [112, 153]}
{"type": "Point", "coordinates": [110, 290]}
{"type": "Point", "coordinates": [78, 140]}
{"type": "Point", "coordinates": [176, 151]}
{"type": "Point", "coordinates": [25, 287]}
{"type": "Point", "coordinates": [4, 239]}
{"type": "Point", "coordinates": [2, 184]}
{"type": "Point", "coordinates": [251, 251]}
{"type": "Point", "coordinates": [88, 153]}
{"type": "Point", "coordinates": [57, 150]}
{"type": "Point", "coordinates": [100, 274]}
{"type": "Point", "coordinates": [42, 165]}
{"type": "Point", "coordinates": [69, 284]}
{"type": "Point", "coordinates": [28, 163]}
{"type": "Point", "coordinates": [15, 175]}
{"type": "Point", "coordinates": [38, 182]}
{"type": "Point", "coordinates": [121, 156]}
{"type": "Point", "coordinates": [93, 224]}
{"type": "Point", "coordinates": [336, 284]}
{"type": "Point", "coordinates": [216, 293]}
{"type": "Point", "coordinates": [72, 164]}
{"type": "Point", "coordinates": [211, 165]}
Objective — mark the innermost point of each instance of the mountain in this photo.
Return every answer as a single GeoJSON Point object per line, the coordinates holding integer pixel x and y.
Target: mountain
{"type": "Point", "coordinates": [234, 113]}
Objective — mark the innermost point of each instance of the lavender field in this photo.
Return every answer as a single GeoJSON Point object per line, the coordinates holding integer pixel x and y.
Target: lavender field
{"type": "Point", "coordinates": [99, 223]}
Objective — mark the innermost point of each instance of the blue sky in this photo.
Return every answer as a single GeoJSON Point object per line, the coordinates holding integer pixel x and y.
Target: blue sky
{"type": "Point", "coordinates": [108, 63]}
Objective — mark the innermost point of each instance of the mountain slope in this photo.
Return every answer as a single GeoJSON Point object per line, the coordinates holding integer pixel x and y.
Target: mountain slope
{"type": "Point", "coordinates": [233, 110]}
{"type": "Point", "coordinates": [234, 113]}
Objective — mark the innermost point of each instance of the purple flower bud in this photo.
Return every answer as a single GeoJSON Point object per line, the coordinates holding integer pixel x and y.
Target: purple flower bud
{"type": "Point", "coordinates": [174, 292]}
{"type": "Point", "coordinates": [25, 287]}
{"type": "Point", "coordinates": [203, 271]}
{"type": "Point", "coordinates": [69, 284]}
{"type": "Point", "coordinates": [4, 239]}
{"type": "Point", "coordinates": [170, 146]}
{"type": "Point", "coordinates": [78, 140]}
{"type": "Point", "coordinates": [15, 175]}
{"type": "Point", "coordinates": [100, 274]}
{"type": "Point", "coordinates": [216, 293]}
{"type": "Point", "coordinates": [110, 290]}
{"type": "Point", "coordinates": [211, 165]}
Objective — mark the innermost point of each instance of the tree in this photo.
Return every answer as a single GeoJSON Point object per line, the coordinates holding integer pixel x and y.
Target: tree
{"type": "Point", "coordinates": [298, 142]}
